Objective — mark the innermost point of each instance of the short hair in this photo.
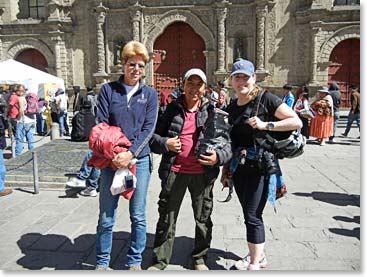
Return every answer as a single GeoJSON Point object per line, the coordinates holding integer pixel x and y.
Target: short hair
{"type": "Point", "coordinates": [353, 86]}
{"type": "Point", "coordinates": [134, 48]}
{"type": "Point", "coordinates": [19, 87]}
{"type": "Point", "coordinates": [221, 83]}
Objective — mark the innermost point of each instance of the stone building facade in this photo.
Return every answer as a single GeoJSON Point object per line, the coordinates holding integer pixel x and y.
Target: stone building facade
{"type": "Point", "coordinates": [80, 41]}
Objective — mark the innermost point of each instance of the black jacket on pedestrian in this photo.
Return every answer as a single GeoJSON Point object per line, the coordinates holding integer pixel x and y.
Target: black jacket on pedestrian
{"type": "Point", "coordinates": [171, 124]}
{"type": "Point", "coordinates": [335, 95]}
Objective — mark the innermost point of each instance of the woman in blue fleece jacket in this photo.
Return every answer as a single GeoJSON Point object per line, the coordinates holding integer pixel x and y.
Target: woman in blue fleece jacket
{"type": "Point", "coordinates": [133, 106]}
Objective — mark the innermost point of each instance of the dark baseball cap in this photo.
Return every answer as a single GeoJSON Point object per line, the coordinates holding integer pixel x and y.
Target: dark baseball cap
{"type": "Point", "coordinates": [243, 66]}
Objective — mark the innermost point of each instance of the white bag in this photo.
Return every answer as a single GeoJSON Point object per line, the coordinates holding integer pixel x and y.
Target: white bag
{"type": "Point", "coordinates": [119, 184]}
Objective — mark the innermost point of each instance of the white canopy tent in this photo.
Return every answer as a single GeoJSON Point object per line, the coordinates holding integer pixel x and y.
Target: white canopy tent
{"type": "Point", "coordinates": [37, 81]}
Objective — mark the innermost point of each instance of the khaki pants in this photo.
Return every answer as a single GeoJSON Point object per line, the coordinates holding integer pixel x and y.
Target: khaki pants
{"type": "Point", "coordinates": [170, 200]}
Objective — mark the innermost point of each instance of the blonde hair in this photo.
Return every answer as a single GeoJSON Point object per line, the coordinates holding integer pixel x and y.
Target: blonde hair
{"type": "Point", "coordinates": [134, 48]}
{"type": "Point", "coordinates": [255, 92]}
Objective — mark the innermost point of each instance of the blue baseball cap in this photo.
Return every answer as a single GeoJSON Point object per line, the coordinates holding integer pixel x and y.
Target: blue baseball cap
{"type": "Point", "coordinates": [243, 66]}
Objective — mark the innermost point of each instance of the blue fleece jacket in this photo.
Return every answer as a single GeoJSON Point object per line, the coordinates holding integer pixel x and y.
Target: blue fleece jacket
{"type": "Point", "coordinates": [137, 119]}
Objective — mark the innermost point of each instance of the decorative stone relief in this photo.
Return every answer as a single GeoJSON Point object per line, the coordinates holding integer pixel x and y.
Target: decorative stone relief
{"type": "Point", "coordinates": [260, 34]}
{"type": "Point", "coordinates": [101, 12]}
{"type": "Point", "coordinates": [221, 17]}
{"type": "Point", "coordinates": [150, 20]}
{"type": "Point", "coordinates": [135, 16]}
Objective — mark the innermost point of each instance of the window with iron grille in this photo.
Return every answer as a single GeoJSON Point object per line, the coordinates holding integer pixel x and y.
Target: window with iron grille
{"type": "Point", "coordinates": [36, 8]}
{"type": "Point", "coordinates": [346, 2]}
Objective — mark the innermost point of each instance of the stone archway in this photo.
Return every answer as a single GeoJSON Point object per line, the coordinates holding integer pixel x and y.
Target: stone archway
{"type": "Point", "coordinates": [24, 44]}
{"type": "Point", "coordinates": [191, 19]}
{"type": "Point", "coordinates": [333, 41]}
{"type": "Point", "coordinates": [33, 58]}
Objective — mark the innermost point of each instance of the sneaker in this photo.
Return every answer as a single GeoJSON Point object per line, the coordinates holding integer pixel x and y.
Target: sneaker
{"type": "Point", "coordinates": [153, 267]}
{"type": "Point", "coordinates": [201, 267]}
{"type": "Point", "coordinates": [102, 267]}
{"type": "Point", "coordinates": [89, 192]}
{"type": "Point", "coordinates": [74, 182]}
{"type": "Point", "coordinates": [6, 192]}
{"type": "Point", "coordinates": [253, 267]}
{"type": "Point", "coordinates": [244, 263]}
{"type": "Point", "coordinates": [344, 135]}
{"type": "Point", "coordinates": [135, 267]}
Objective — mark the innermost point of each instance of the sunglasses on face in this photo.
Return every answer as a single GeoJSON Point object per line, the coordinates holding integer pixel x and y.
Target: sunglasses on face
{"type": "Point", "coordinates": [133, 65]}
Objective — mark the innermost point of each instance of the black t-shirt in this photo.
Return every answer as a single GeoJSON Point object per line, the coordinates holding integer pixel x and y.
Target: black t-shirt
{"type": "Point", "coordinates": [242, 133]}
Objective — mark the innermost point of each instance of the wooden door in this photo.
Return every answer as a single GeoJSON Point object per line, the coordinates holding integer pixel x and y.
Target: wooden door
{"type": "Point", "coordinates": [34, 58]}
{"type": "Point", "coordinates": [176, 50]}
{"type": "Point", "coordinates": [344, 67]}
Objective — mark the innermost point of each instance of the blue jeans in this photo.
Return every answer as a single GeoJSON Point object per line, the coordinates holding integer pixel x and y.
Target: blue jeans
{"type": "Point", "coordinates": [41, 125]}
{"type": "Point", "coordinates": [107, 212]}
{"type": "Point", "coordinates": [2, 171]}
{"type": "Point", "coordinates": [89, 173]}
{"type": "Point", "coordinates": [24, 130]}
{"type": "Point", "coordinates": [61, 122]}
{"type": "Point", "coordinates": [352, 117]}
{"type": "Point", "coordinates": [336, 120]}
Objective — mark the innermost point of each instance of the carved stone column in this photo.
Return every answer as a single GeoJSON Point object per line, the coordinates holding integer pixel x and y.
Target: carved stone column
{"type": "Point", "coordinates": [261, 12]}
{"type": "Point", "coordinates": [221, 18]}
{"type": "Point", "coordinates": [101, 74]}
{"type": "Point", "coordinates": [57, 50]}
{"type": "Point", "coordinates": [135, 15]}
{"type": "Point", "coordinates": [315, 31]}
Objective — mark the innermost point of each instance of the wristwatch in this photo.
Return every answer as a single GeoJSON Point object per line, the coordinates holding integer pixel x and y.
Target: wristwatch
{"type": "Point", "coordinates": [270, 126]}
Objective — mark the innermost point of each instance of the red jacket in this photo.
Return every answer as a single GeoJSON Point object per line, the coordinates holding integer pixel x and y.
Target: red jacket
{"type": "Point", "coordinates": [106, 142]}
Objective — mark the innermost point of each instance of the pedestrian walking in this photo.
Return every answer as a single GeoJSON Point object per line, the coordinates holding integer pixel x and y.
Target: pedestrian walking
{"type": "Point", "coordinates": [354, 113]}
{"type": "Point", "coordinates": [336, 96]}
{"type": "Point", "coordinates": [3, 126]}
{"type": "Point", "coordinates": [302, 109]}
{"type": "Point", "coordinates": [133, 106]}
{"type": "Point", "coordinates": [87, 178]}
{"type": "Point", "coordinates": [181, 168]}
{"type": "Point", "coordinates": [321, 126]}
{"type": "Point", "coordinates": [288, 96]}
{"type": "Point", "coordinates": [26, 123]}
{"type": "Point", "coordinates": [251, 175]}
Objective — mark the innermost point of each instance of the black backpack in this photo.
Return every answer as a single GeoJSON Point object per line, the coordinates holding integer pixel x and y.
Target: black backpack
{"type": "Point", "coordinates": [82, 123]}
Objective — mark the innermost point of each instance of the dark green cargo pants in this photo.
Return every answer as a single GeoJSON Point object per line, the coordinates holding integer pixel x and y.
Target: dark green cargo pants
{"type": "Point", "coordinates": [169, 203]}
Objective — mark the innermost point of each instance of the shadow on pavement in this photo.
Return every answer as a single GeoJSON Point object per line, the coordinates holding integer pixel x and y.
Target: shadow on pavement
{"type": "Point", "coordinates": [355, 232]}
{"type": "Point", "coordinates": [59, 252]}
{"type": "Point", "coordinates": [340, 199]}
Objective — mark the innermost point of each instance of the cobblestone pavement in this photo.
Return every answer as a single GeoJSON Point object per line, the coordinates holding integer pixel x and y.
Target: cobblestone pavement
{"type": "Point", "coordinates": [316, 226]}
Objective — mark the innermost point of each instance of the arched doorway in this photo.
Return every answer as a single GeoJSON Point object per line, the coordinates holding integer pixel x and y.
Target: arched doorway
{"type": "Point", "coordinates": [344, 67]}
{"type": "Point", "coordinates": [34, 58]}
{"type": "Point", "coordinates": [176, 50]}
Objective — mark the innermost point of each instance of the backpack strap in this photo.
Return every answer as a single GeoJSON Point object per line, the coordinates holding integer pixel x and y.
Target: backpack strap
{"type": "Point", "coordinates": [250, 108]}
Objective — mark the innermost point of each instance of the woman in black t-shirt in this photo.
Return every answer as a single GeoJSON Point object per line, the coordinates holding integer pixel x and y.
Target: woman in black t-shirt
{"type": "Point", "coordinates": [250, 175]}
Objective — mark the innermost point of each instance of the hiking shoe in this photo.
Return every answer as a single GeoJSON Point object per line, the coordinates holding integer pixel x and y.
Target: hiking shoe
{"type": "Point", "coordinates": [201, 267]}
{"type": "Point", "coordinates": [244, 263]}
{"type": "Point", "coordinates": [89, 192]}
{"type": "Point", "coordinates": [135, 267]}
{"type": "Point", "coordinates": [74, 182]}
